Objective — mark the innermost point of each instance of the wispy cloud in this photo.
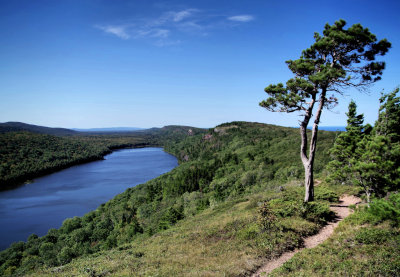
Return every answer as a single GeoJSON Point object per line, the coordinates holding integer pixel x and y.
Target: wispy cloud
{"type": "Point", "coordinates": [181, 15]}
{"type": "Point", "coordinates": [241, 18]}
{"type": "Point", "coordinates": [169, 27]}
{"type": "Point", "coordinates": [119, 31]}
{"type": "Point", "coordinates": [154, 33]}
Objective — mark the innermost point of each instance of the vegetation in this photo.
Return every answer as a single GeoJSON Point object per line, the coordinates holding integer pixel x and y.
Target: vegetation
{"type": "Point", "coordinates": [367, 243]}
{"type": "Point", "coordinates": [368, 157]}
{"type": "Point", "coordinates": [232, 167]}
{"type": "Point", "coordinates": [23, 127]}
{"type": "Point", "coordinates": [229, 239]}
{"type": "Point", "coordinates": [26, 155]}
{"type": "Point", "coordinates": [338, 59]}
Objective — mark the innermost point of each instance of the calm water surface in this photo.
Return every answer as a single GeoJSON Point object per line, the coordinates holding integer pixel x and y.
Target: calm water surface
{"type": "Point", "coordinates": [45, 203]}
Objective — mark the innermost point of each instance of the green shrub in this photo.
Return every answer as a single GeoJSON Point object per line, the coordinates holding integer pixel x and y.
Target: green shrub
{"type": "Point", "coordinates": [66, 255]}
{"type": "Point", "coordinates": [266, 216]}
{"type": "Point", "coordinates": [387, 209]}
{"type": "Point", "coordinates": [284, 208]}
{"type": "Point", "coordinates": [325, 194]}
{"type": "Point", "coordinates": [372, 235]}
{"type": "Point", "coordinates": [316, 212]}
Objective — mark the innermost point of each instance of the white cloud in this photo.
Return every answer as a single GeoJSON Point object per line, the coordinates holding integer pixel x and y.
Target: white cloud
{"type": "Point", "coordinates": [170, 26]}
{"type": "Point", "coordinates": [160, 33]}
{"type": "Point", "coordinates": [151, 33]}
{"type": "Point", "coordinates": [119, 31]}
{"type": "Point", "coordinates": [241, 18]}
{"type": "Point", "coordinates": [179, 16]}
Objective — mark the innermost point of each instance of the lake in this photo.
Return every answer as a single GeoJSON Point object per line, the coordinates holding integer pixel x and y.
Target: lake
{"type": "Point", "coordinates": [48, 201]}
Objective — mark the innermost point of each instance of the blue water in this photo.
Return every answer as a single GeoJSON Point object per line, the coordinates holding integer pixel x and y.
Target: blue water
{"type": "Point", "coordinates": [49, 200]}
{"type": "Point", "coordinates": [332, 128]}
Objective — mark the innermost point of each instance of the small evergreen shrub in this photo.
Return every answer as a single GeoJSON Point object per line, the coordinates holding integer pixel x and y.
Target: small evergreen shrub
{"type": "Point", "coordinates": [372, 235]}
{"type": "Point", "coordinates": [325, 194]}
{"type": "Point", "coordinates": [316, 212]}
{"type": "Point", "coordinates": [266, 216]}
{"type": "Point", "coordinates": [387, 209]}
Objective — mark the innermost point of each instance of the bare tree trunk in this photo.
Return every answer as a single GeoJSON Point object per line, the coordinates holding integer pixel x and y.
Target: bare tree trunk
{"type": "Point", "coordinates": [308, 162]}
{"type": "Point", "coordinates": [309, 182]}
{"type": "Point", "coordinates": [368, 193]}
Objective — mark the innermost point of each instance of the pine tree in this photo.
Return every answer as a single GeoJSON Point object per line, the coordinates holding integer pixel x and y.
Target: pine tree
{"type": "Point", "coordinates": [373, 167]}
{"type": "Point", "coordinates": [344, 150]}
{"type": "Point", "coordinates": [388, 123]}
{"type": "Point", "coordinates": [340, 58]}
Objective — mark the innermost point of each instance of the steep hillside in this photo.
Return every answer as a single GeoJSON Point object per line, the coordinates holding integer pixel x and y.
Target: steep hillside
{"type": "Point", "coordinates": [231, 164]}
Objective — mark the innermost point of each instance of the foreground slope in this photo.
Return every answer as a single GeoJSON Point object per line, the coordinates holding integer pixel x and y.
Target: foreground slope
{"type": "Point", "coordinates": [367, 243]}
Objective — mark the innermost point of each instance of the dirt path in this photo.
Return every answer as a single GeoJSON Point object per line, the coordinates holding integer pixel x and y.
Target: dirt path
{"type": "Point", "coordinates": [342, 210]}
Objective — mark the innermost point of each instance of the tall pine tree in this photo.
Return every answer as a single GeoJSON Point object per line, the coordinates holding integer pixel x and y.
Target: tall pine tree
{"type": "Point", "coordinates": [368, 159]}
{"type": "Point", "coordinates": [344, 150]}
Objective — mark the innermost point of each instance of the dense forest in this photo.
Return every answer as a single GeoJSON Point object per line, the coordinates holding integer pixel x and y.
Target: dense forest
{"type": "Point", "coordinates": [25, 155]}
{"type": "Point", "coordinates": [225, 163]}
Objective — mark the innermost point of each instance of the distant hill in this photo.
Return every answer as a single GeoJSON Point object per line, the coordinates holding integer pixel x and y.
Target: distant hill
{"type": "Point", "coordinates": [110, 129]}
{"type": "Point", "coordinates": [19, 126]}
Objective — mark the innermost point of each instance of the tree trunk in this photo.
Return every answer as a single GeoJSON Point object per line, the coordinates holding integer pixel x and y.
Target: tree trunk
{"type": "Point", "coordinates": [368, 193]}
{"type": "Point", "coordinates": [308, 162]}
{"type": "Point", "coordinates": [309, 181]}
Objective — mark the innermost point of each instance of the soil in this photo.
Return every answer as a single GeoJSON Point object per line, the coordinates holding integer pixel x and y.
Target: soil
{"type": "Point", "coordinates": [342, 211]}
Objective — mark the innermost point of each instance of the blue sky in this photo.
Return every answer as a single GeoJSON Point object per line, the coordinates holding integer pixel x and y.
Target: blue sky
{"type": "Point", "coordinates": [98, 63]}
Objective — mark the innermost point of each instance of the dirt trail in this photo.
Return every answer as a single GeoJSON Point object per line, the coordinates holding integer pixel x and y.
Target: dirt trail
{"type": "Point", "coordinates": [342, 210]}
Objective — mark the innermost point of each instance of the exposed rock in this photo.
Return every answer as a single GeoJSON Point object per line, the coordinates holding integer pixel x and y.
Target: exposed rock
{"type": "Point", "coordinates": [222, 130]}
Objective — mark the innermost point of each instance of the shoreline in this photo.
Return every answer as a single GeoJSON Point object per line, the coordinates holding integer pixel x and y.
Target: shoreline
{"type": "Point", "coordinates": [28, 178]}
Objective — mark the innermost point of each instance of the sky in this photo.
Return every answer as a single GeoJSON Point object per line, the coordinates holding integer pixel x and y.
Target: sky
{"type": "Point", "coordinates": [136, 63]}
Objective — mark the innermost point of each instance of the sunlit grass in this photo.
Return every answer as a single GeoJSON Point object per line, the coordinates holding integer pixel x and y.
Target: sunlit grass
{"type": "Point", "coordinates": [222, 241]}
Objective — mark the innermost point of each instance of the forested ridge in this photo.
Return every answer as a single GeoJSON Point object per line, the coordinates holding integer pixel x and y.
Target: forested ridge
{"type": "Point", "coordinates": [227, 162]}
{"type": "Point", "coordinates": [25, 155]}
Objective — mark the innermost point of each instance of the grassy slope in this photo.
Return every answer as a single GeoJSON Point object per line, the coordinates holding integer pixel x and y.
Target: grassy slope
{"type": "Point", "coordinates": [362, 245]}
{"type": "Point", "coordinates": [226, 240]}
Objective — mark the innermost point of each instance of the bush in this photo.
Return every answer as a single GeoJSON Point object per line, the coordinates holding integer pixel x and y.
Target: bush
{"type": "Point", "coordinates": [325, 194]}
{"type": "Point", "coordinates": [266, 216]}
{"type": "Point", "coordinates": [387, 209]}
{"type": "Point", "coordinates": [372, 235]}
{"type": "Point", "coordinates": [284, 208]}
{"type": "Point", "coordinates": [316, 212]}
{"type": "Point", "coordinates": [66, 255]}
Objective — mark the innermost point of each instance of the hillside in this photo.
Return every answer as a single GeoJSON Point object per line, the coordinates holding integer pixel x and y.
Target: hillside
{"type": "Point", "coordinates": [19, 126]}
{"type": "Point", "coordinates": [209, 200]}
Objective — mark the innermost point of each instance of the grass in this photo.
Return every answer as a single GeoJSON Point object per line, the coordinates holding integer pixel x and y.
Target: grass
{"type": "Point", "coordinates": [226, 240]}
{"type": "Point", "coordinates": [360, 246]}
